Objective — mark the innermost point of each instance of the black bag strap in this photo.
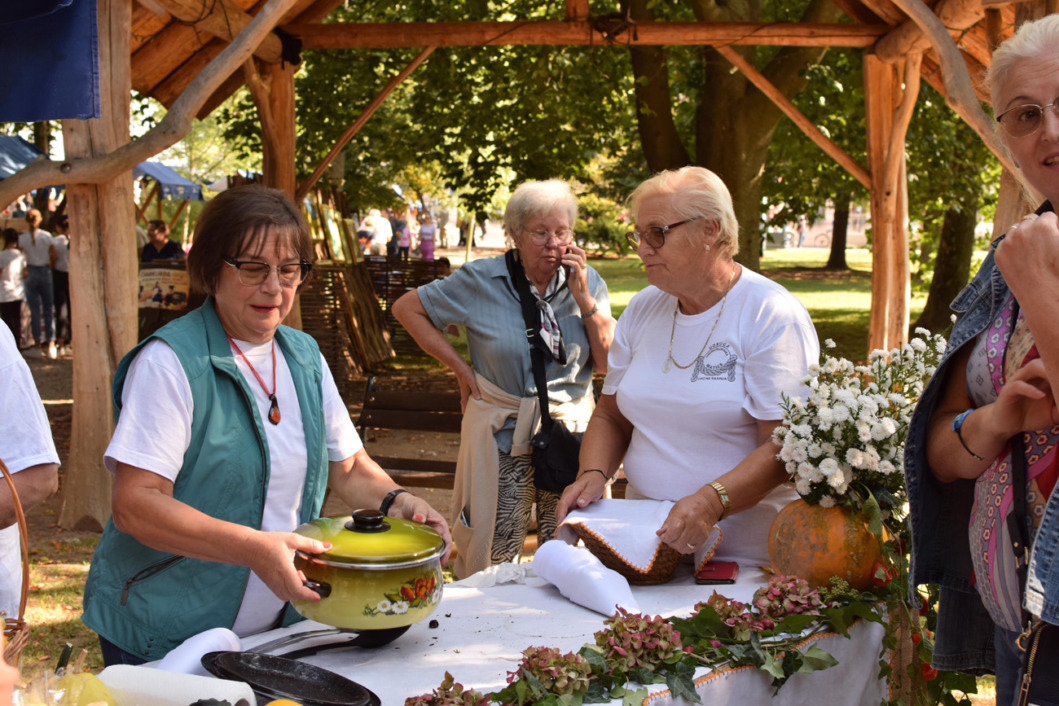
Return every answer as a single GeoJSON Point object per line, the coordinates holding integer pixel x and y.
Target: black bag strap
{"type": "Point", "coordinates": [1017, 521]}
{"type": "Point", "coordinates": [531, 319]}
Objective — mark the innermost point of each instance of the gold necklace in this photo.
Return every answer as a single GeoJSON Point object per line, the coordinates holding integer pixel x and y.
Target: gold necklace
{"type": "Point", "coordinates": [670, 362]}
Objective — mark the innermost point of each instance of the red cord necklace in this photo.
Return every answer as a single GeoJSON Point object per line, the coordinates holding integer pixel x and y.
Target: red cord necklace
{"type": "Point", "coordinates": [273, 410]}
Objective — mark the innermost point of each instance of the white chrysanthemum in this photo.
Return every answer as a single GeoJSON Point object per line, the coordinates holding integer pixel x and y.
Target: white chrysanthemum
{"type": "Point", "coordinates": [829, 467]}
{"type": "Point", "coordinates": [863, 432]}
{"type": "Point", "coordinates": [815, 450]}
{"type": "Point", "coordinates": [854, 457]}
{"type": "Point", "coordinates": [803, 486]}
{"type": "Point", "coordinates": [886, 468]}
{"type": "Point", "coordinates": [829, 343]}
{"type": "Point", "coordinates": [827, 501]}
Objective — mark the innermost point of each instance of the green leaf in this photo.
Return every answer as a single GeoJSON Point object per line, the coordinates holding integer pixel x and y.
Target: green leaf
{"type": "Point", "coordinates": [873, 513]}
{"type": "Point", "coordinates": [634, 698]}
{"type": "Point", "coordinates": [815, 659]}
{"type": "Point", "coordinates": [682, 685]}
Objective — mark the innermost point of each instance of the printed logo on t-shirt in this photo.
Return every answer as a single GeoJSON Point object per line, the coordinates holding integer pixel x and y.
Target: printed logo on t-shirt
{"type": "Point", "coordinates": [718, 363]}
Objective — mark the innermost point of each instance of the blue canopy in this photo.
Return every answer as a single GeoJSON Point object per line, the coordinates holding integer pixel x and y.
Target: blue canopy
{"type": "Point", "coordinates": [15, 153]}
{"type": "Point", "coordinates": [50, 56]}
{"type": "Point", "coordinates": [173, 185]}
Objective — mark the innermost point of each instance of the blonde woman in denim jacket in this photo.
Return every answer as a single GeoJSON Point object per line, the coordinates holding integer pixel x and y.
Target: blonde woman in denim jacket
{"type": "Point", "coordinates": [994, 397]}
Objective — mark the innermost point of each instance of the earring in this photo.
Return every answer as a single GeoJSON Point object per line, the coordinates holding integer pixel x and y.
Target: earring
{"type": "Point", "coordinates": [707, 247]}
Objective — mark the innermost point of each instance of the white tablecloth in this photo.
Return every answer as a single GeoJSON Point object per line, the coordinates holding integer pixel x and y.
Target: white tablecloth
{"type": "Point", "coordinates": [482, 631]}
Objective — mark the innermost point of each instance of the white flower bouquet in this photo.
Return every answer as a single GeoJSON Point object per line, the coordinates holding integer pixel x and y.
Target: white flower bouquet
{"type": "Point", "coordinates": [846, 441]}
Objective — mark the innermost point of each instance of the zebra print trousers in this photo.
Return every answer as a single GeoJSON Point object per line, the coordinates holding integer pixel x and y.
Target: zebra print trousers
{"type": "Point", "coordinates": [516, 495]}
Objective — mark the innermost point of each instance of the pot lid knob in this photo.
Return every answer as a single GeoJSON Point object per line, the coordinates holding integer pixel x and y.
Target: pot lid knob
{"type": "Point", "coordinates": [367, 522]}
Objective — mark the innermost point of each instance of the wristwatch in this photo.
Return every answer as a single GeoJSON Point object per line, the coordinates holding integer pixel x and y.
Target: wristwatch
{"type": "Point", "coordinates": [388, 500]}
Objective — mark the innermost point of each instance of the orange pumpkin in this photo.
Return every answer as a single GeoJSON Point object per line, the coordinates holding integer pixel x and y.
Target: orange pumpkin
{"type": "Point", "coordinates": [816, 543]}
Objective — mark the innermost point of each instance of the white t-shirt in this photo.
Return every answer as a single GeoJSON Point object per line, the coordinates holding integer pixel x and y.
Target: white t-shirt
{"type": "Point", "coordinates": [12, 275]}
{"type": "Point", "coordinates": [37, 249]}
{"type": "Point", "coordinates": [62, 252]}
{"type": "Point", "coordinates": [690, 426]}
{"type": "Point", "coordinates": [25, 443]}
{"type": "Point", "coordinates": [154, 432]}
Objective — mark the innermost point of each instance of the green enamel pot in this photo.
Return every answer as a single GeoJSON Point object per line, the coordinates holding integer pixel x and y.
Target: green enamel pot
{"type": "Point", "coordinates": [381, 572]}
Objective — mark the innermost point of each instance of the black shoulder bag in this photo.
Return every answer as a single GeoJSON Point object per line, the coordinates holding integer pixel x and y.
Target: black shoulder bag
{"type": "Point", "coordinates": [1040, 640]}
{"type": "Point", "coordinates": [555, 448]}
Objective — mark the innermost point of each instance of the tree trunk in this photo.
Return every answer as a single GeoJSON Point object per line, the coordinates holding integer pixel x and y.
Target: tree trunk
{"type": "Point", "coordinates": [839, 234]}
{"type": "Point", "coordinates": [102, 277]}
{"type": "Point", "coordinates": [952, 266]}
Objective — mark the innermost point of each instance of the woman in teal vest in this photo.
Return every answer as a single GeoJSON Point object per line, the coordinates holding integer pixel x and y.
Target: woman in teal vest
{"type": "Point", "coordinates": [229, 431]}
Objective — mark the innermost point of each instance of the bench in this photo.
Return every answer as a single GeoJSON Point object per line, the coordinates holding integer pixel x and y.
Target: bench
{"type": "Point", "coordinates": [412, 410]}
{"type": "Point", "coordinates": [432, 412]}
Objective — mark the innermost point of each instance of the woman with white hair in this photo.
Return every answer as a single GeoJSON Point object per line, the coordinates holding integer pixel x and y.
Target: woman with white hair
{"type": "Point", "coordinates": [700, 360]}
{"type": "Point", "coordinates": [494, 490]}
{"type": "Point", "coordinates": [990, 411]}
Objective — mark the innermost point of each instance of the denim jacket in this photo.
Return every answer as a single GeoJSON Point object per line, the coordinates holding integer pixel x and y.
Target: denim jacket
{"type": "Point", "coordinates": [940, 512]}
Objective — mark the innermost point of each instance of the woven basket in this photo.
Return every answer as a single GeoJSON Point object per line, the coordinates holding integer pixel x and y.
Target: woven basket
{"type": "Point", "coordinates": [660, 571]}
{"type": "Point", "coordinates": [16, 633]}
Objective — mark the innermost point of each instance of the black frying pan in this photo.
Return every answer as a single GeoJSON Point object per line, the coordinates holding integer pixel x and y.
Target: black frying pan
{"type": "Point", "coordinates": [273, 677]}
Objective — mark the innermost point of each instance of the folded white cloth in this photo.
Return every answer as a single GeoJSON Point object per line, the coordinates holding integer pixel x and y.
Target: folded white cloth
{"type": "Point", "coordinates": [186, 658]}
{"type": "Point", "coordinates": [131, 686]}
{"type": "Point", "coordinates": [583, 579]}
{"type": "Point", "coordinates": [506, 572]}
{"type": "Point", "coordinates": [628, 527]}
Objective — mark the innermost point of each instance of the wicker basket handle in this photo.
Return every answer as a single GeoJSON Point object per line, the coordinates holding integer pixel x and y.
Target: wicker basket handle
{"type": "Point", "coordinates": [23, 540]}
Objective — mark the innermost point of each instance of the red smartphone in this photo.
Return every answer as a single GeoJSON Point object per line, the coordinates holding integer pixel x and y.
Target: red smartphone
{"type": "Point", "coordinates": [718, 572]}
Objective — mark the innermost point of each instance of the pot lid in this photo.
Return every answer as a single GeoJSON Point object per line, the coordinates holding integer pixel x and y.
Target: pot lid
{"type": "Point", "coordinates": [369, 537]}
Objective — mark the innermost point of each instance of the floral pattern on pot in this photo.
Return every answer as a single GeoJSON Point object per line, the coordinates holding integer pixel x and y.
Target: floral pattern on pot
{"type": "Point", "coordinates": [421, 592]}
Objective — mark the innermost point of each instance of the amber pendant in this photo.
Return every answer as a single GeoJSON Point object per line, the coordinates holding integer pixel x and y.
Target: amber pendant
{"type": "Point", "coordinates": [273, 410]}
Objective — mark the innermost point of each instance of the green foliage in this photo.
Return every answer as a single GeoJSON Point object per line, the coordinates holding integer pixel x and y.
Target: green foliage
{"type": "Point", "coordinates": [602, 223]}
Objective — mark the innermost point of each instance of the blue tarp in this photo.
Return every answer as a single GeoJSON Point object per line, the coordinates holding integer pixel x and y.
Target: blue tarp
{"type": "Point", "coordinates": [50, 60]}
{"type": "Point", "coordinates": [173, 185]}
{"type": "Point", "coordinates": [15, 153]}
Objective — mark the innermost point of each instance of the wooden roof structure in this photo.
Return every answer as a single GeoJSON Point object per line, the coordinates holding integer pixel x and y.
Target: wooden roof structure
{"type": "Point", "coordinates": [192, 54]}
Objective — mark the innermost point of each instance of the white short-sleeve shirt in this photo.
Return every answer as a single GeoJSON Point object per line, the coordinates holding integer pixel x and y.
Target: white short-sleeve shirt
{"type": "Point", "coordinates": [154, 432]}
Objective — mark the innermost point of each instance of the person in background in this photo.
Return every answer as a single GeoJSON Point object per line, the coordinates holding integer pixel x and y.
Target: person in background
{"type": "Point", "coordinates": [26, 447]}
{"type": "Point", "coordinates": [40, 256]}
{"type": "Point", "coordinates": [12, 283]}
{"type": "Point", "coordinates": [992, 404]}
{"type": "Point", "coordinates": [61, 282]}
{"type": "Point", "coordinates": [159, 246]}
{"type": "Point", "coordinates": [427, 235]}
{"type": "Point", "coordinates": [230, 430]}
{"type": "Point", "coordinates": [700, 362]}
{"type": "Point", "coordinates": [494, 493]}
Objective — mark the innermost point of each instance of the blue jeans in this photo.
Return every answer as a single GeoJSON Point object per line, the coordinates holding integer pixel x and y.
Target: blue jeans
{"type": "Point", "coordinates": [112, 654]}
{"type": "Point", "coordinates": [39, 296]}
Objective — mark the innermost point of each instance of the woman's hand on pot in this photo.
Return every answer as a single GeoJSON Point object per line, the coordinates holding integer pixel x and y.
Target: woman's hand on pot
{"type": "Point", "coordinates": [412, 507]}
{"type": "Point", "coordinates": [585, 490]}
{"type": "Point", "coordinates": [688, 524]}
{"type": "Point", "coordinates": [272, 559]}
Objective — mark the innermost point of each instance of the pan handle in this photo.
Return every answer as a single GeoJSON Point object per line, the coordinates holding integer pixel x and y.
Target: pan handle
{"type": "Point", "coordinates": [321, 588]}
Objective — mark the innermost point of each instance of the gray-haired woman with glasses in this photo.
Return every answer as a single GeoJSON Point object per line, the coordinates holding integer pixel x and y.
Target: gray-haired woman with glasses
{"type": "Point", "coordinates": [699, 364]}
{"type": "Point", "coordinates": [229, 431]}
{"type": "Point", "coordinates": [494, 493]}
{"type": "Point", "coordinates": [991, 405]}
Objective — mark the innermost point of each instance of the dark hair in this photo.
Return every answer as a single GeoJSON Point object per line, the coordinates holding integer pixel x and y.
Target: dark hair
{"type": "Point", "coordinates": [10, 236]}
{"type": "Point", "coordinates": [158, 225]}
{"type": "Point", "coordinates": [237, 220]}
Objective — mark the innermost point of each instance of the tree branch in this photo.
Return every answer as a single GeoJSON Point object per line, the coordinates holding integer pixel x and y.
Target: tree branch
{"type": "Point", "coordinates": [169, 130]}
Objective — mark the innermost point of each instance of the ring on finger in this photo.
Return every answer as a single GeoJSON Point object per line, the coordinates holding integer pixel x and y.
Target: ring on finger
{"type": "Point", "coordinates": [689, 545]}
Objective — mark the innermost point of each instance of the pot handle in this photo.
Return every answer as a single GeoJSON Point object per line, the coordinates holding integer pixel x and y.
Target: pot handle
{"type": "Point", "coordinates": [321, 588]}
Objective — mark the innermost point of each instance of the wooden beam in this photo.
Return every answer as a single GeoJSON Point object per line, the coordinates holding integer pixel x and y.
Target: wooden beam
{"type": "Point", "coordinates": [164, 54]}
{"type": "Point", "coordinates": [908, 38]}
{"type": "Point", "coordinates": [811, 131]}
{"type": "Point", "coordinates": [352, 130]}
{"type": "Point", "coordinates": [959, 92]}
{"type": "Point", "coordinates": [858, 12]}
{"type": "Point", "coordinates": [173, 127]}
{"type": "Point", "coordinates": [224, 20]}
{"type": "Point", "coordinates": [576, 10]}
{"type": "Point", "coordinates": [462, 34]}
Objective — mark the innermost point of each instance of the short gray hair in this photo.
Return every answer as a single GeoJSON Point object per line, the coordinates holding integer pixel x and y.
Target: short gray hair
{"type": "Point", "coordinates": [697, 192]}
{"type": "Point", "coordinates": [1032, 41]}
{"type": "Point", "coordinates": [538, 198]}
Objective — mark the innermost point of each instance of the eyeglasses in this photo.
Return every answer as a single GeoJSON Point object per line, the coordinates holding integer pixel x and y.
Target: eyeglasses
{"type": "Point", "coordinates": [563, 236]}
{"type": "Point", "coordinates": [655, 236]}
{"type": "Point", "coordinates": [252, 274]}
{"type": "Point", "coordinates": [1022, 120]}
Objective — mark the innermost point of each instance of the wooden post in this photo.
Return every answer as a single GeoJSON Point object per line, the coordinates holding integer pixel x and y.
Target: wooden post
{"type": "Point", "coordinates": [888, 112]}
{"type": "Point", "coordinates": [102, 276]}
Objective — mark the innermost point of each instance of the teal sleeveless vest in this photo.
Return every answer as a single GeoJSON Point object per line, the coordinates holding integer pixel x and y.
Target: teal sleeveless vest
{"type": "Point", "coordinates": [146, 601]}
